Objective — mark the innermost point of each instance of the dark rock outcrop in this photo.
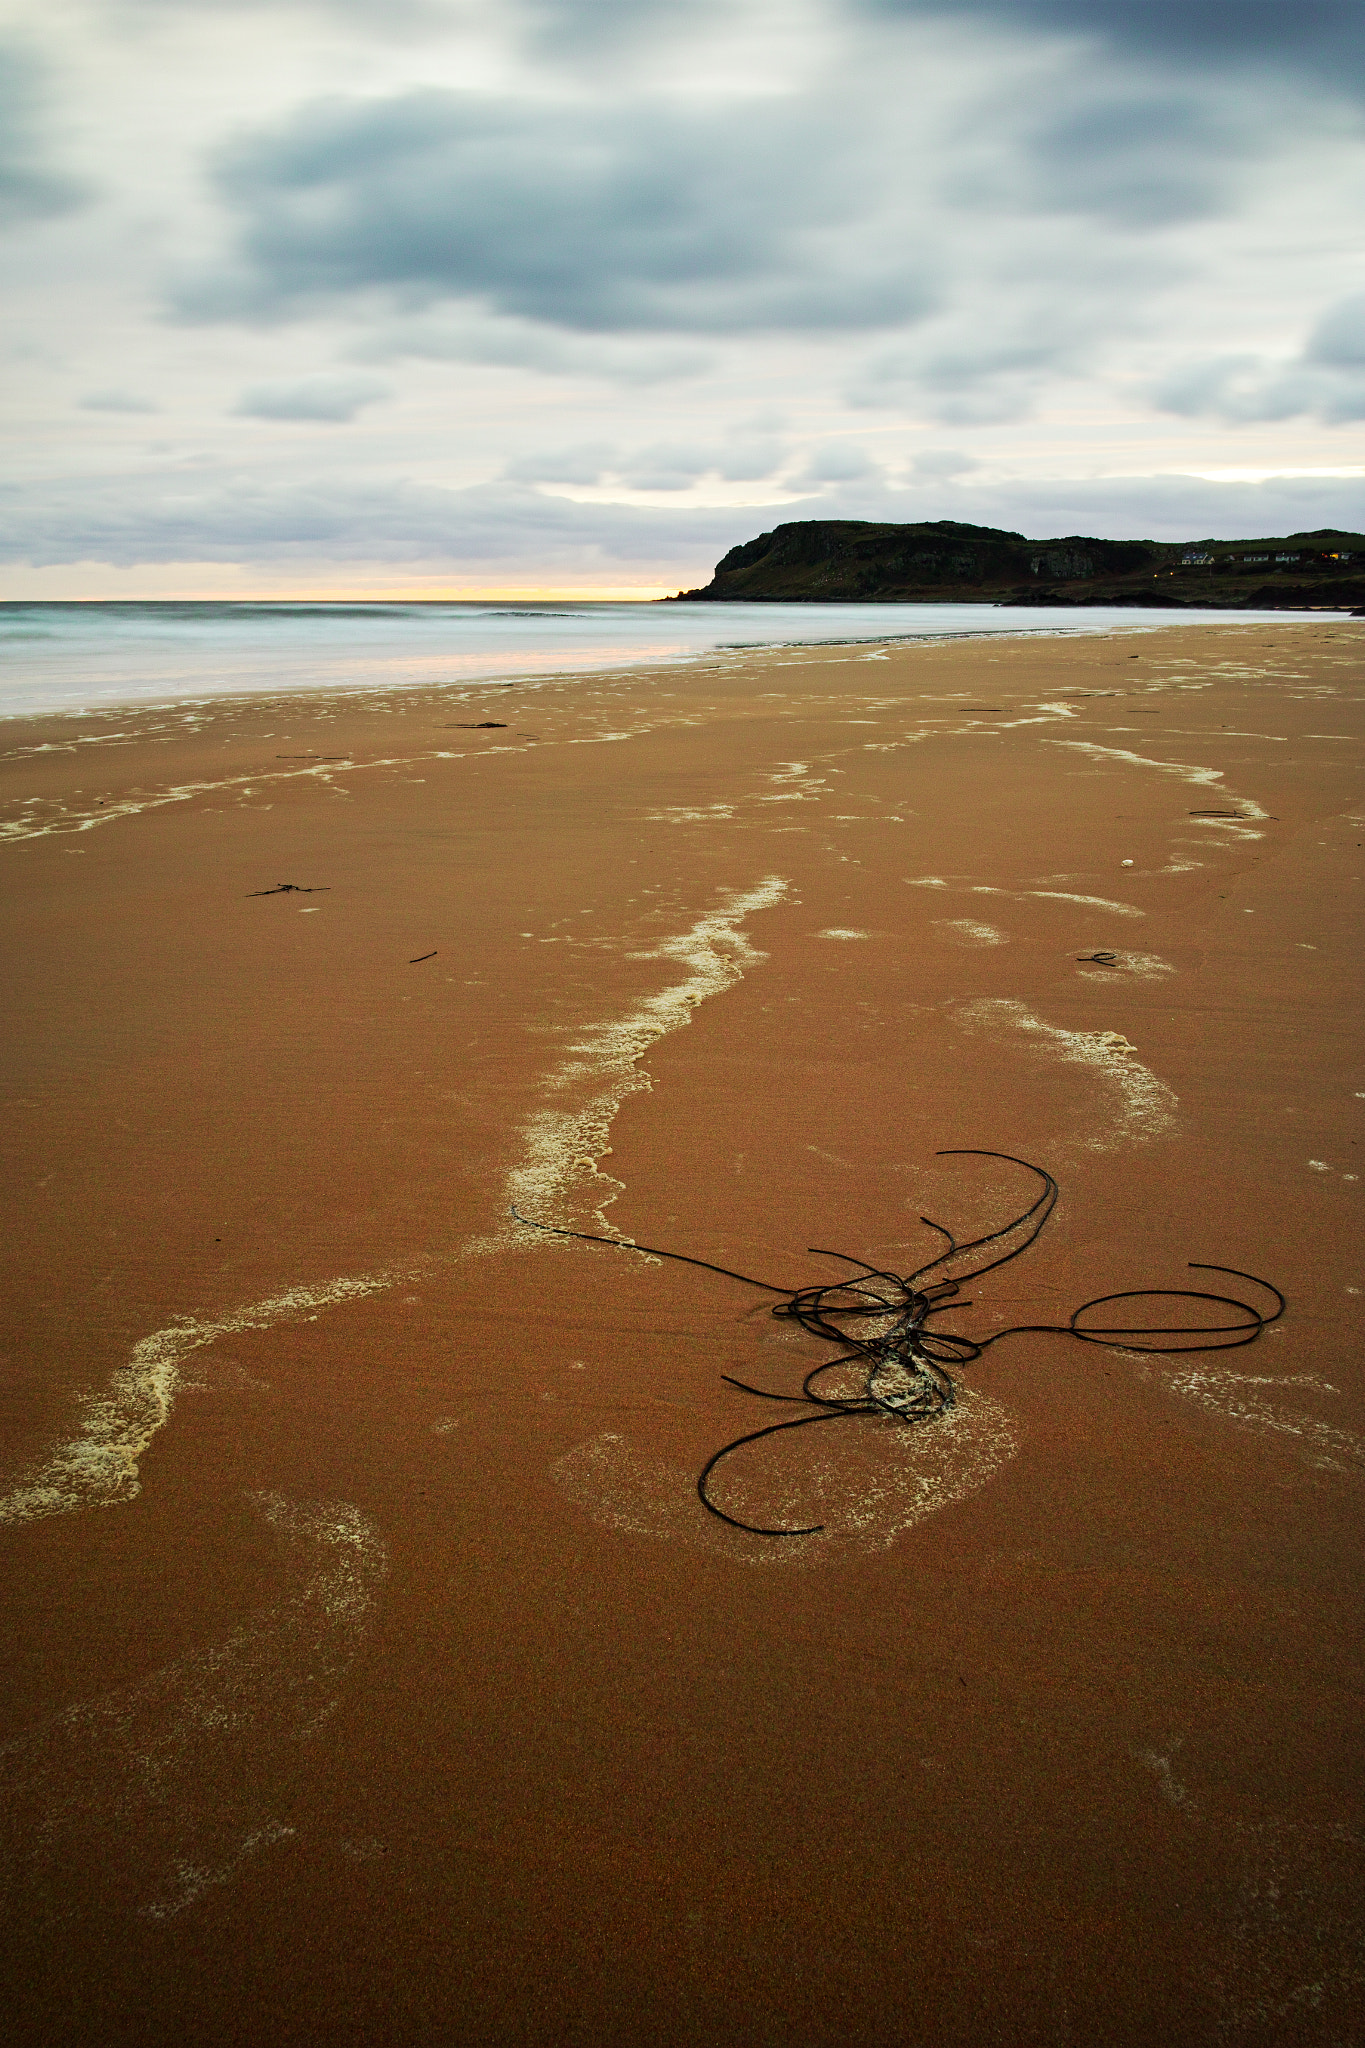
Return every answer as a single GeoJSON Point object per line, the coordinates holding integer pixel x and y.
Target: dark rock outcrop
{"type": "Point", "coordinates": [849, 561]}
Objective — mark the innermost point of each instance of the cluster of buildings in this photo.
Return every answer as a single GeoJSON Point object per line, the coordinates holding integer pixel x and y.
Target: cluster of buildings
{"type": "Point", "coordinates": [1197, 559]}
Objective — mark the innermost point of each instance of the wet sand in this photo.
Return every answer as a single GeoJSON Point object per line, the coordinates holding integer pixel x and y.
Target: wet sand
{"type": "Point", "coordinates": [374, 1673]}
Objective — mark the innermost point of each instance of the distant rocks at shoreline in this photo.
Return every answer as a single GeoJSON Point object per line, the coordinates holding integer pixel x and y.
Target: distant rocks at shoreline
{"type": "Point", "coordinates": [857, 561]}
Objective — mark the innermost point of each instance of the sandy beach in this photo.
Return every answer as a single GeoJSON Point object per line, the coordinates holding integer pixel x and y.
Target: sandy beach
{"type": "Point", "coordinates": [375, 1674]}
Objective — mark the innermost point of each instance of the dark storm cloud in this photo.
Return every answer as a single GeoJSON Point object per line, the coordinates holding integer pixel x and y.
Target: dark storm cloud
{"type": "Point", "coordinates": [1321, 37]}
{"type": "Point", "coordinates": [615, 217]}
{"type": "Point", "coordinates": [1139, 158]}
{"type": "Point", "coordinates": [31, 187]}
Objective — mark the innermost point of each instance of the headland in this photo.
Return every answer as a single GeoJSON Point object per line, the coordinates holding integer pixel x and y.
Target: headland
{"type": "Point", "coordinates": [943, 561]}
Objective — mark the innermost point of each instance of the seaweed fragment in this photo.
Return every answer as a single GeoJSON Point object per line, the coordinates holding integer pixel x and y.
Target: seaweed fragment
{"type": "Point", "coordinates": [908, 1377]}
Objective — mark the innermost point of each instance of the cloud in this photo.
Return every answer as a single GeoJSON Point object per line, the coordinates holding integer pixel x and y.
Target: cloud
{"type": "Point", "coordinates": [220, 516]}
{"type": "Point", "coordinates": [1171, 507]}
{"type": "Point", "coordinates": [934, 465]}
{"type": "Point", "coordinates": [675, 466]}
{"type": "Point", "coordinates": [472, 337]}
{"type": "Point", "coordinates": [1139, 158]}
{"type": "Point", "coordinates": [1051, 307]}
{"type": "Point", "coordinates": [114, 400]}
{"type": "Point", "coordinates": [1324, 38]}
{"type": "Point", "coordinates": [586, 465]}
{"type": "Point", "coordinates": [31, 189]}
{"type": "Point", "coordinates": [610, 217]}
{"type": "Point", "coordinates": [403, 20]}
{"type": "Point", "coordinates": [324, 399]}
{"type": "Point", "coordinates": [1338, 340]}
{"type": "Point", "coordinates": [565, 27]}
{"type": "Point", "coordinates": [749, 454]}
{"type": "Point", "coordinates": [972, 377]}
{"type": "Point", "coordinates": [1166, 508]}
{"type": "Point", "coordinates": [995, 211]}
{"type": "Point", "coordinates": [1326, 379]}
{"type": "Point", "coordinates": [838, 462]}
{"type": "Point", "coordinates": [903, 221]}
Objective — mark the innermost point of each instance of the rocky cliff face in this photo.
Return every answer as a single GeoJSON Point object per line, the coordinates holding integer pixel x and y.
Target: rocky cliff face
{"type": "Point", "coordinates": [942, 561]}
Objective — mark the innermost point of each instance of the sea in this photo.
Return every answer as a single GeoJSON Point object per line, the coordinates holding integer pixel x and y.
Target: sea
{"type": "Point", "coordinates": [83, 657]}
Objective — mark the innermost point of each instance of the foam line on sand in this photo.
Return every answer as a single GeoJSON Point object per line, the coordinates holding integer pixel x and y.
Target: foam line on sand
{"type": "Point", "coordinates": [99, 1467]}
{"type": "Point", "coordinates": [1239, 1397]}
{"type": "Point", "coordinates": [562, 1146]}
{"type": "Point", "coordinates": [1144, 1107]}
{"type": "Point", "coordinates": [32, 825]}
{"type": "Point", "coordinates": [867, 1490]}
{"type": "Point", "coordinates": [1063, 896]}
{"type": "Point", "coordinates": [1187, 771]}
{"type": "Point", "coordinates": [169, 1788]}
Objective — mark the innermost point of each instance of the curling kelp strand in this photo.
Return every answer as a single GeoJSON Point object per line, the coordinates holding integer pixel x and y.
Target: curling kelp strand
{"type": "Point", "coordinates": [907, 1362]}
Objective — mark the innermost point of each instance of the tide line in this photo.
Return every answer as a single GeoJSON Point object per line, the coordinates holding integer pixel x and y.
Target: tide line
{"type": "Point", "coordinates": [562, 1146]}
{"type": "Point", "coordinates": [1146, 1106]}
{"type": "Point", "coordinates": [98, 1467]}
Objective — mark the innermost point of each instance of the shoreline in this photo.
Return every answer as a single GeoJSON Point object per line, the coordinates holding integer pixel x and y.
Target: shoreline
{"type": "Point", "coordinates": [156, 674]}
{"type": "Point", "coordinates": [163, 722]}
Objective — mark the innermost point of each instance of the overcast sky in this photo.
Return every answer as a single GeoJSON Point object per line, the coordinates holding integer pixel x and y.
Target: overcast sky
{"type": "Point", "coordinates": [461, 296]}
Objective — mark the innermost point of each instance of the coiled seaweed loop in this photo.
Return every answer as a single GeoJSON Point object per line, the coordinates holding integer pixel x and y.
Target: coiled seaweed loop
{"type": "Point", "coordinates": [907, 1364]}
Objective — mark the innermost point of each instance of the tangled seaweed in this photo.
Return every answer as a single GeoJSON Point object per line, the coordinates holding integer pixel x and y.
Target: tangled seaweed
{"type": "Point", "coordinates": [908, 1377]}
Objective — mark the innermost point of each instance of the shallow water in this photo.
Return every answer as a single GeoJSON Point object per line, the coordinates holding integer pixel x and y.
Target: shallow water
{"type": "Point", "coordinates": [80, 657]}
